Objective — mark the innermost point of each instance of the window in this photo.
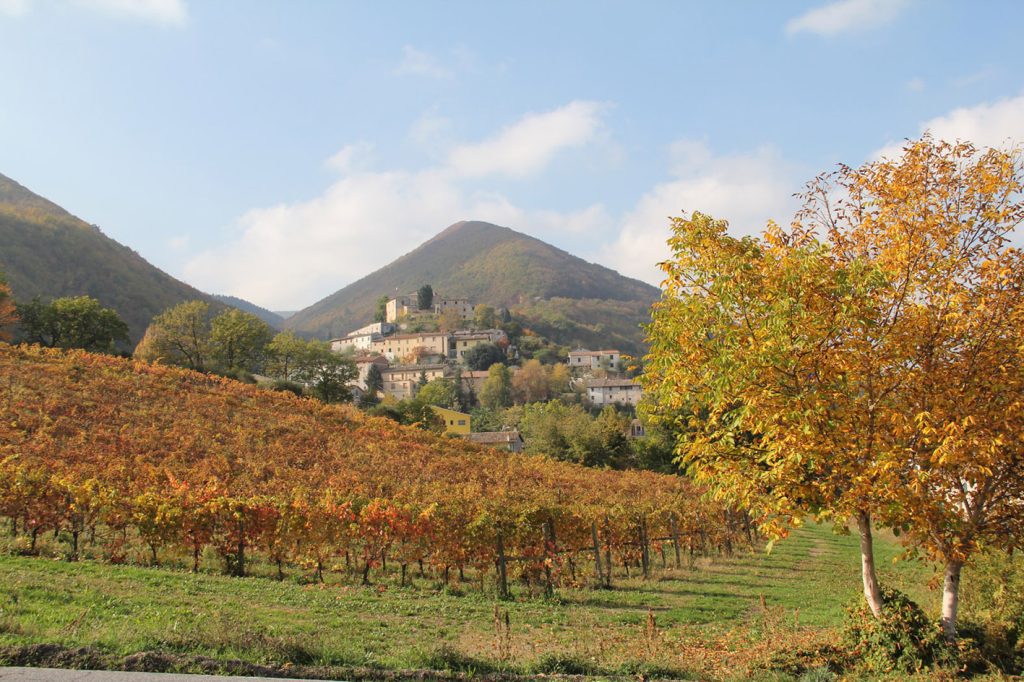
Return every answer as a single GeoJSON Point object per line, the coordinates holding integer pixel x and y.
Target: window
{"type": "Point", "coordinates": [462, 422]}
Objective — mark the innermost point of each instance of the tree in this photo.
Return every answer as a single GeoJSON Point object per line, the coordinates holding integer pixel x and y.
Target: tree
{"type": "Point", "coordinates": [328, 374]}
{"type": "Point", "coordinates": [482, 356]}
{"type": "Point", "coordinates": [72, 322]}
{"type": "Point", "coordinates": [239, 340]}
{"type": "Point", "coordinates": [283, 355]}
{"type": "Point", "coordinates": [439, 392]}
{"type": "Point", "coordinates": [425, 297]}
{"type": "Point", "coordinates": [532, 383]}
{"type": "Point", "coordinates": [8, 312]}
{"type": "Point", "coordinates": [484, 316]}
{"type": "Point", "coordinates": [496, 391]}
{"type": "Point", "coordinates": [179, 335]}
{"type": "Point", "coordinates": [838, 368]}
{"type": "Point", "coordinates": [380, 314]}
{"type": "Point", "coordinates": [374, 379]}
{"type": "Point", "coordinates": [450, 320]}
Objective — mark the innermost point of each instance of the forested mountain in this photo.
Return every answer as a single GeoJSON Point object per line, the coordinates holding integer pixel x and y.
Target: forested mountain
{"type": "Point", "coordinates": [559, 295]}
{"type": "Point", "coordinates": [270, 317]}
{"type": "Point", "coordinates": [47, 252]}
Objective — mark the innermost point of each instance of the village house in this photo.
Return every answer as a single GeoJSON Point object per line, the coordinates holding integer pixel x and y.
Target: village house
{"type": "Point", "coordinates": [408, 306]}
{"type": "Point", "coordinates": [473, 381]}
{"type": "Point", "coordinates": [502, 440]}
{"type": "Point", "coordinates": [610, 360]}
{"type": "Point", "coordinates": [454, 421]}
{"type": "Point", "coordinates": [354, 342]}
{"type": "Point", "coordinates": [363, 363]}
{"type": "Point", "coordinates": [443, 304]}
{"type": "Point", "coordinates": [402, 381]}
{"type": "Point", "coordinates": [463, 342]}
{"type": "Point", "coordinates": [614, 391]}
{"type": "Point", "coordinates": [406, 347]}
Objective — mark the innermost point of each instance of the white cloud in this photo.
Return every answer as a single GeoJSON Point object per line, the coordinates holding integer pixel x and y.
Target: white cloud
{"type": "Point", "coordinates": [165, 12]}
{"type": "Point", "coordinates": [995, 124]}
{"type": "Point", "coordinates": [419, 63]}
{"type": "Point", "coordinates": [745, 189]}
{"type": "Point", "coordinates": [14, 8]}
{"type": "Point", "coordinates": [529, 144]}
{"type": "Point", "coordinates": [846, 15]}
{"type": "Point", "coordinates": [349, 157]}
{"type": "Point", "coordinates": [916, 85]}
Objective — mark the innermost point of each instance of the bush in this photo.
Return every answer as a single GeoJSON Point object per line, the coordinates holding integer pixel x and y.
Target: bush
{"type": "Point", "coordinates": [288, 386]}
{"type": "Point", "coordinates": [902, 640]}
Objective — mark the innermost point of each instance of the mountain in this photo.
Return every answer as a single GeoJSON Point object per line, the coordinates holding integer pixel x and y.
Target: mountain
{"type": "Point", "coordinates": [273, 319]}
{"type": "Point", "coordinates": [47, 252]}
{"type": "Point", "coordinates": [560, 296]}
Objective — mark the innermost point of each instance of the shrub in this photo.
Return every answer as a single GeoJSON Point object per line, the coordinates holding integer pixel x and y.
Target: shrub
{"type": "Point", "coordinates": [902, 640]}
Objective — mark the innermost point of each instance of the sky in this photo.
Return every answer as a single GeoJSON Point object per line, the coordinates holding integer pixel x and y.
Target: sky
{"type": "Point", "coordinates": [278, 151]}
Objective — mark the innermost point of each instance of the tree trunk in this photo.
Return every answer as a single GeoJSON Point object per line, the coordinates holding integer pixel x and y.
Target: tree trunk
{"type": "Point", "coordinates": [366, 572]}
{"type": "Point", "coordinates": [951, 599]}
{"type": "Point", "coordinates": [872, 591]}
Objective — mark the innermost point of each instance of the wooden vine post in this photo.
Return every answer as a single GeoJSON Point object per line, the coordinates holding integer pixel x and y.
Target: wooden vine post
{"type": "Point", "coordinates": [675, 539]}
{"type": "Point", "coordinates": [502, 569]}
{"type": "Point", "coordinates": [597, 554]}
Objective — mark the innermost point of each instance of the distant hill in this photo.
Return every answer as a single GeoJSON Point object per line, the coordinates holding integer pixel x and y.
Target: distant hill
{"type": "Point", "coordinates": [271, 318]}
{"type": "Point", "coordinates": [47, 252]}
{"type": "Point", "coordinates": [563, 297]}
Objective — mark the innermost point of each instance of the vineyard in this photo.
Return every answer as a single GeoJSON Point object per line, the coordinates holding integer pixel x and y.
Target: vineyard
{"type": "Point", "coordinates": [137, 460]}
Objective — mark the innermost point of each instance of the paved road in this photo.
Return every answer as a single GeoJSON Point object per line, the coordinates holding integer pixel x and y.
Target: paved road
{"type": "Point", "coordinates": [55, 675]}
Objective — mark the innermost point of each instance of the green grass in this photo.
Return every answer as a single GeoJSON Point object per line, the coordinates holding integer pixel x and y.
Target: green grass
{"type": "Point", "coordinates": [716, 607]}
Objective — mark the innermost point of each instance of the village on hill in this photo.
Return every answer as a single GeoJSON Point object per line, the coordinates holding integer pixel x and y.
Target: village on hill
{"type": "Point", "coordinates": [422, 336]}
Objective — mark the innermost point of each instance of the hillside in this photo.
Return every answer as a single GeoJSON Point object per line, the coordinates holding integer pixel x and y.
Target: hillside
{"type": "Point", "coordinates": [561, 296]}
{"type": "Point", "coordinates": [268, 316]}
{"type": "Point", "coordinates": [47, 252]}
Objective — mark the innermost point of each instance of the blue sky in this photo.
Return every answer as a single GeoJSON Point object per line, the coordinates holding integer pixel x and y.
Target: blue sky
{"type": "Point", "coordinates": [279, 151]}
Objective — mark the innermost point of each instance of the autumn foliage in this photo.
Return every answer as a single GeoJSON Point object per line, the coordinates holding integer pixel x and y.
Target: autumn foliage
{"type": "Point", "coordinates": [865, 362]}
{"type": "Point", "coordinates": [169, 461]}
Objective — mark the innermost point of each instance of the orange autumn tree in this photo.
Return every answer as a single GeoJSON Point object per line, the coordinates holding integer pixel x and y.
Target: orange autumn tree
{"type": "Point", "coordinates": [936, 223]}
{"type": "Point", "coordinates": [829, 368]}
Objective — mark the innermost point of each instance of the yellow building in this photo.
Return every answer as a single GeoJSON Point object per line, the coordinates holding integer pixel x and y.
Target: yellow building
{"type": "Point", "coordinates": [454, 422]}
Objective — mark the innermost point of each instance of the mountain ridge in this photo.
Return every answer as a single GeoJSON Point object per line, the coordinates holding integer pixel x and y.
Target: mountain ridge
{"type": "Point", "coordinates": [48, 252]}
{"type": "Point", "coordinates": [498, 266]}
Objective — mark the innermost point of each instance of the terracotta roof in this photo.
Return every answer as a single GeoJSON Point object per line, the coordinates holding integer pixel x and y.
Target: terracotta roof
{"type": "Point", "coordinates": [612, 383]}
{"type": "Point", "coordinates": [593, 352]}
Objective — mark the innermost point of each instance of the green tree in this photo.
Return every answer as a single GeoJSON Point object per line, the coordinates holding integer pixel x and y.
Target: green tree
{"type": "Point", "coordinates": [484, 316]}
{"type": "Point", "coordinates": [482, 356]}
{"type": "Point", "coordinates": [239, 340]}
{"type": "Point", "coordinates": [374, 379]}
{"type": "Point", "coordinates": [381, 312]}
{"type": "Point", "coordinates": [496, 391]}
{"type": "Point", "coordinates": [439, 392]}
{"type": "Point", "coordinates": [284, 353]}
{"type": "Point", "coordinates": [72, 322]}
{"type": "Point", "coordinates": [179, 335]}
{"type": "Point", "coordinates": [425, 297]}
{"type": "Point", "coordinates": [326, 373]}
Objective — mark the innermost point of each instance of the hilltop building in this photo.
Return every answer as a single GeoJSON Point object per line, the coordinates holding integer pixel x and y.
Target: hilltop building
{"type": "Point", "coordinates": [401, 381]}
{"type": "Point", "coordinates": [407, 305]}
{"type": "Point", "coordinates": [587, 360]}
{"type": "Point", "coordinates": [614, 391]}
{"type": "Point", "coordinates": [412, 347]}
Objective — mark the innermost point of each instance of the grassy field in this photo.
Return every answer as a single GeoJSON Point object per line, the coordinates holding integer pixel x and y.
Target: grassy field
{"type": "Point", "coordinates": [724, 617]}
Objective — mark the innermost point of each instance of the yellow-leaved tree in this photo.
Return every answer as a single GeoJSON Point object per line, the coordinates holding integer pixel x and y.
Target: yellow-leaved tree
{"type": "Point", "coordinates": [863, 363]}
